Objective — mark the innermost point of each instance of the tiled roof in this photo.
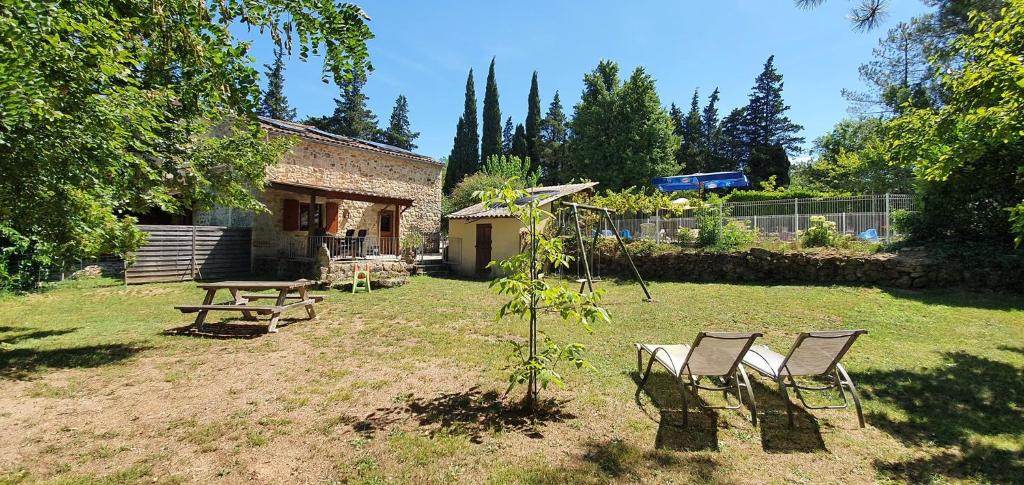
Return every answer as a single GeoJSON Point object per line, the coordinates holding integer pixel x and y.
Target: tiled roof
{"type": "Point", "coordinates": [314, 134]}
{"type": "Point", "coordinates": [545, 194]}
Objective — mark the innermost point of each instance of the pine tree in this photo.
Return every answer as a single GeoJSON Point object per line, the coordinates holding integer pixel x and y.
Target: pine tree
{"type": "Point", "coordinates": [491, 142]}
{"type": "Point", "coordinates": [507, 135]}
{"type": "Point", "coordinates": [711, 134]}
{"type": "Point", "coordinates": [351, 117]}
{"type": "Point", "coordinates": [554, 134]}
{"type": "Point", "coordinates": [399, 133]}
{"type": "Point", "coordinates": [733, 149]}
{"type": "Point", "coordinates": [621, 134]}
{"type": "Point", "coordinates": [520, 147]}
{"type": "Point", "coordinates": [689, 155]}
{"type": "Point", "coordinates": [533, 125]}
{"type": "Point", "coordinates": [465, 157]}
{"type": "Point", "coordinates": [274, 103]}
{"type": "Point", "coordinates": [766, 125]}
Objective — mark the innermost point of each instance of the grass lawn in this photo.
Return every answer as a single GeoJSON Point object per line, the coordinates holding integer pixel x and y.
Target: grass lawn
{"type": "Point", "coordinates": [404, 385]}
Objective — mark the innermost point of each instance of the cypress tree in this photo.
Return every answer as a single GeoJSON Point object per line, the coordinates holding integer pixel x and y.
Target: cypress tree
{"type": "Point", "coordinates": [533, 125]}
{"type": "Point", "coordinates": [766, 125]}
{"type": "Point", "coordinates": [520, 147]}
{"type": "Point", "coordinates": [733, 148]}
{"type": "Point", "coordinates": [399, 133]}
{"type": "Point", "coordinates": [490, 142]}
{"type": "Point", "coordinates": [554, 134]}
{"type": "Point", "coordinates": [465, 156]}
{"type": "Point", "coordinates": [274, 103]}
{"type": "Point", "coordinates": [507, 135]}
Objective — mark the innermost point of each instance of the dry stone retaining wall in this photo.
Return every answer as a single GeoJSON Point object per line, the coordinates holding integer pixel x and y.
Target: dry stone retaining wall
{"type": "Point", "coordinates": [905, 269]}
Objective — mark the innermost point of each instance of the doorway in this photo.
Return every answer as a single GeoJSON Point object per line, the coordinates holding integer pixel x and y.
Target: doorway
{"type": "Point", "coordinates": [388, 232]}
{"type": "Point", "coordinates": [483, 249]}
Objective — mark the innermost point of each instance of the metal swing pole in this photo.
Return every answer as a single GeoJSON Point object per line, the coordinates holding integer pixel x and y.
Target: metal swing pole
{"type": "Point", "coordinates": [629, 258]}
{"type": "Point", "coordinates": [582, 250]}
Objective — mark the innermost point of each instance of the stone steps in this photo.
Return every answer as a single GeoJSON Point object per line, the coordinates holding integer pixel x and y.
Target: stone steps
{"type": "Point", "coordinates": [432, 268]}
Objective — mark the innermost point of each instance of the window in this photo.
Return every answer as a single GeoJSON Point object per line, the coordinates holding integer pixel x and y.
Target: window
{"type": "Point", "coordinates": [311, 219]}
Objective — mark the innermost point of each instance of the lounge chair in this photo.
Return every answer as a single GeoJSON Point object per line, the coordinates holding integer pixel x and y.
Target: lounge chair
{"type": "Point", "coordinates": [713, 354]}
{"type": "Point", "coordinates": [814, 354]}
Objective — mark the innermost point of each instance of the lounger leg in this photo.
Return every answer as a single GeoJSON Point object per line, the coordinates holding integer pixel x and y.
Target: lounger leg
{"type": "Point", "coordinates": [785, 398]}
{"type": "Point", "coordinates": [750, 393]}
{"type": "Point", "coordinates": [643, 380]}
{"type": "Point", "coordinates": [686, 407]}
{"type": "Point", "coordinates": [853, 391]}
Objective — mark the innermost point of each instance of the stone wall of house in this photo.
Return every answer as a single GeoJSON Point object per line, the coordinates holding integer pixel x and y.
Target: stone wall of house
{"type": "Point", "coordinates": [905, 269]}
{"type": "Point", "coordinates": [345, 168]}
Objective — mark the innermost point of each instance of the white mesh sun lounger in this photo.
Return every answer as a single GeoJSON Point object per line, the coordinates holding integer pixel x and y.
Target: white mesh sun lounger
{"type": "Point", "coordinates": [712, 355]}
{"type": "Point", "coordinates": [814, 354]}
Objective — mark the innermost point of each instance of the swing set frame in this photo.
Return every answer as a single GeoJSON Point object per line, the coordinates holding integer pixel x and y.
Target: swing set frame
{"type": "Point", "coordinates": [588, 281]}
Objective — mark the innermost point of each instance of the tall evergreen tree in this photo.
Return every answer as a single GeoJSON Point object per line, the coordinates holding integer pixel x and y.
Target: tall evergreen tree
{"type": "Point", "coordinates": [507, 135]}
{"type": "Point", "coordinates": [621, 135]}
{"type": "Point", "coordinates": [733, 149]}
{"type": "Point", "coordinates": [399, 133]}
{"type": "Point", "coordinates": [351, 117]}
{"type": "Point", "coordinates": [533, 121]}
{"type": "Point", "coordinates": [274, 103]}
{"type": "Point", "coordinates": [490, 142]}
{"type": "Point", "coordinates": [520, 146]}
{"type": "Point", "coordinates": [689, 155]}
{"type": "Point", "coordinates": [711, 135]}
{"type": "Point", "coordinates": [766, 124]}
{"type": "Point", "coordinates": [554, 133]}
{"type": "Point", "coordinates": [465, 157]}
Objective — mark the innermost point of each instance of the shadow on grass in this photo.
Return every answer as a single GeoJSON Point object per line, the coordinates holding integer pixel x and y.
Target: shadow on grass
{"type": "Point", "coordinates": [30, 335]}
{"type": "Point", "coordinates": [988, 300]}
{"type": "Point", "coordinates": [229, 329]}
{"type": "Point", "coordinates": [701, 434]}
{"type": "Point", "coordinates": [472, 413]}
{"type": "Point", "coordinates": [967, 402]}
{"type": "Point", "coordinates": [21, 363]}
{"type": "Point", "coordinates": [776, 434]}
{"type": "Point", "coordinates": [618, 459]}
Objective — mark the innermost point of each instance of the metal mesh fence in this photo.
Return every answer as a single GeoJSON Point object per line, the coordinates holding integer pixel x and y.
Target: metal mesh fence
{"type": "Point", "coordinates": [865, 216]}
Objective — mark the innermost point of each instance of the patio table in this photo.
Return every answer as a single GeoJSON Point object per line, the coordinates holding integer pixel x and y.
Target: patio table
{"type": "Point", "coordinates": [286, 291]}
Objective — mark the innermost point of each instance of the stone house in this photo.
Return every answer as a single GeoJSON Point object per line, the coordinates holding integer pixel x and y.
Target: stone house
{"type": "Point", "coordinates": [477, 235]}
{"type": "Point", "coordinates": [357, 197]}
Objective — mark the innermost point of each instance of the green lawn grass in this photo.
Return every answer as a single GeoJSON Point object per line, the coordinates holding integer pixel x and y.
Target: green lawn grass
{"type": "Point", "coordinates": [404, 385]}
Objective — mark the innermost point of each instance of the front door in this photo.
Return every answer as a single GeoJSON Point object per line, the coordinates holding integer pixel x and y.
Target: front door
{"type": "Point", "coordinates": [388, 239]}
{"type": "Point", "coordinates": [483, 248]}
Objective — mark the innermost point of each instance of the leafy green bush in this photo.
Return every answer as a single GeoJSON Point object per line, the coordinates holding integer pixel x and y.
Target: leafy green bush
{"type": "Point", "coordinates": [735, 235]}
{"type": "Point", "coordinates": [709, 225]}
{"type": "Point", "coordinates": [507, 167]}
{"type": "Point", "coordinates": [23, 261]}
{"type": "Point", "coordinates": [462, 195]}
{"type": "Point", "coordinates": [685, 237]}
{"type": "Point", "coordinates": [822, 233]}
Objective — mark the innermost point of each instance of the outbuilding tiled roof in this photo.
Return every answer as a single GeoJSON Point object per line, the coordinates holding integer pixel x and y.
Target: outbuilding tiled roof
{"type": "Point", "coordinates": [314, 134]}
{"type": "Point", "coordinates": [545, 194]}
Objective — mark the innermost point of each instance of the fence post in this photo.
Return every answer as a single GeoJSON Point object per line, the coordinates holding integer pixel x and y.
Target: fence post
{"type": "Point", "coordinates": [888, 220]}
{"type": "Point", "coordinates": [192, 259]}
{"type": "Point", "coordinates": [657, 225]}
{"type": "Point", "coordinates": [796, 215]}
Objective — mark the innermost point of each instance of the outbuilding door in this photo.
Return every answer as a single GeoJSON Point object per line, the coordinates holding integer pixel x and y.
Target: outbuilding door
{"type": "Point", "coordinates": [483, 248]}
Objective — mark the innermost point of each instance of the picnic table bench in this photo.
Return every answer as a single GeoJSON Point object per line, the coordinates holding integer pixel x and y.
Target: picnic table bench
{"type": "Point", "coordinates": [290, 294]}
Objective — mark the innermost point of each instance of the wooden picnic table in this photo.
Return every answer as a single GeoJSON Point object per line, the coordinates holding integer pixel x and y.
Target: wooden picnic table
{"type": "Point", "coordinates": [286, 290]}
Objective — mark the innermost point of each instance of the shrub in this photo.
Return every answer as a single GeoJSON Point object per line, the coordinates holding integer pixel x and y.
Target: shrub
{"type": "Point", "coordinates": [462, 194]}
{"type": "Point", "coordinates": [685, 237]}
{"type": "Point", "coordinates": [735, 234]}
{"type": "Point", "coordinates": [709, 225]}
{"type": "Point", "coordinates": [822, 233]}
{"type": "Point", "coordinates": [23, 261]}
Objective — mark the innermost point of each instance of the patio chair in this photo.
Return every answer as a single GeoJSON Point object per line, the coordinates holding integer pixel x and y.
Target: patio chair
{"type": "Point", "coordinates": [712, 355]}
{"type": "Point", "coordinates": [360, 243]}
{"type": "Point", "coordinates": [814, 354]}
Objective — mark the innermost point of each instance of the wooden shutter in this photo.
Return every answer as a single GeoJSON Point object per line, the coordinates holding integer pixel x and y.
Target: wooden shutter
{"type": "Point", "coordinates": [291, 215]}
{"type": "Point", "coordinates": [332, 217]}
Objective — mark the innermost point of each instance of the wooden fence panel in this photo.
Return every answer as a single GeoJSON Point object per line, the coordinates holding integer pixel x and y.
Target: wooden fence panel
{"type": "Point", "coordinates": [180, 253]}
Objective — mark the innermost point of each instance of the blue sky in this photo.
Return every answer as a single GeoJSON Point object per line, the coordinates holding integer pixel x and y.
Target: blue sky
{"type": "Point", "coordinates": [424, 50]}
